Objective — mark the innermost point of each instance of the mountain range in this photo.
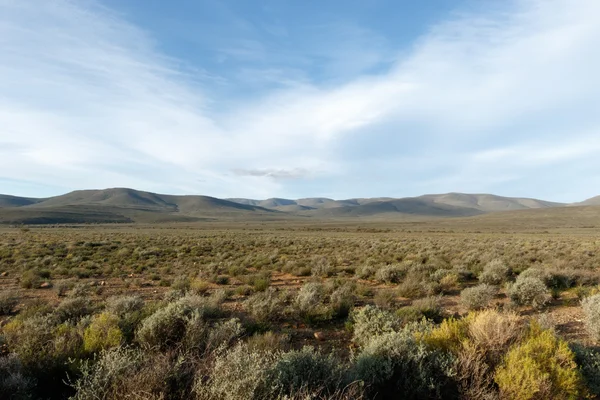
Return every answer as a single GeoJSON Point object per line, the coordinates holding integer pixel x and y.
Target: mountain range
{"type": "Point", "coordinates": [122, 205]}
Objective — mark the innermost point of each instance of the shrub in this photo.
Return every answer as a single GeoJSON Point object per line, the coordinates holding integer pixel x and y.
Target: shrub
{"type": "Point", "coordinates": [73, 309]}
{"type": "Point", "coordinates": [103, 333]}
{"type": "Point", "coordinates": [371, 321]}
{"type": "Point", "coordinates": [412, 287]}
{"type": "Point", "coordinates": [164, 328]}
{"type": "Point", "coordinates": [124, 305]}
{"type": "Point", "coordinates": [308, 304]}
{"type": "Point", "coordinates": [8, 301]}
{"type": "Point", "coordinates": [223, 333]}
{"type": "Point", "coordinates": [268, 341]}
{"type": "Point", "coordinates": [474, 377]}
{"type": "Point", "coordinates": [237, 374]}
{"type": "Point", "coordinates": [365, 271]}
{"type": "Point", "coordinates": [320, 266]}
{"type": "Point", "coordinates": [494, 273]}
{"type": "Point", "coordinates": [342, 300]}
{"type": "Point", "coordinates": [181, 283]}
{"type": "Point", "coordinates": [447, 336]}
{"type": "Point", "coordinates": [529, 291]}
{"type": "Point", "coordinates": [395, 363]}
{"type": "Point", "coordinates": [265, 307]}
{"type": "Point", "coordinates": [385, 299]}
{"type": "Point", "coordinates": [199, 286]}
{"type": "Point", "coordinates": [30, 279]}
{"type": "Point", "coordinates": [409, 314]}
{"type": "Point", "coordinates": [542, 366]}
{"type": "Point", "coordinates": [493, 332]}
{"type": "Point", "coordinates": [478, 297]}
{"type": "Point", "coordinates": [588, 360]}
{"type": "Point", "coordinates": [429, 307]}
{"type": "Point", "coordinates": [304, 369]}
{"type": "Point", "coordinates": [591, 311]}
{"type": "Point", "coordinates": [105, 377]}
{"type": "Point", "coordinates": [390, 273]}
{"type": "Point", "coordinates": [14, 382]}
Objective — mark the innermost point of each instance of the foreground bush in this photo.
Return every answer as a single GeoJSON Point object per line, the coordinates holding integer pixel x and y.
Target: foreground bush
{"type": "Point", "coordinates": [14, 384]}
{"type": "Point", "coordinates": [102, 333]}
{"type": "Point", "coordinates": [304, 370]}
{"type": "Point", "coordinates": [395, 364]}
{"type": "Point", "coordinates": [588, 360]}
{"type": "Point", "coordinates": [591, 310]}
{"type": "Point", "coordinates": [371, 321]}
{"type": "Point", "coordinates": [541, 367]}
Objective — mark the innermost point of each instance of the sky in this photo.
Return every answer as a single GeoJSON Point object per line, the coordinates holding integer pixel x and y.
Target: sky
{"type": "Point", "coordinates": [301, 98]}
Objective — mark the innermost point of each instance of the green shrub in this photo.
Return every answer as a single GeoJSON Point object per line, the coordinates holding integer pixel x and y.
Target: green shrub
{"type": "Point", "coordinates": [395, 364]}
{"type": "Point", "coordinates": [542, 366]}
{"type": "Point", "coordinates": [342, 300]}
{"type": "Point", "coordinates": [588, 361]}
{"type": "Point", "coordinates": [304, 369]}
{"type": "Point", "coordinates": [385, 299]}
{"type": "Point", "coordinates": [14, 382]}
{"type": "Point", "coordinates": [494, 273]}
{"type": "Point", "coordinates": [73, 309]}
{"type": "Point", "coordinates": [308, 304]}
{"type": "Point", "coordinates": [412, 287]}
{"type": "Point", "coordinates": [370, 321]}
{"type": "Point", "coordinates": [265, 307]}
{"type": "Point", "coordinates": [30, 279]}
{"type": "Point", "coordinates": [478, 297]}
{"type": "Point", "coordinates": [529, 291]}
{"type": "Point", "coordinates": [591, 311]}
{"type": "Point", "coordinates": [390, 273]}
{"type": "Point", "coordinates": [164, 328]}
{"type": "Point", "coordinates": [237, 374]}
{"type": "Point", "coordinates": [429, 307]}
{"type": "Point", "coordinates": [181, 283]}
{"type": "Point", "coordinates": [8, 301]}
{"type": "Point", "coordinates": [103, 333]}
{"type": "Point", "coordinates": [106, 376]}
{"type": "Point", "coordinates": [124, 305]}
{"type": "Point", "coordinates": [199, 286]}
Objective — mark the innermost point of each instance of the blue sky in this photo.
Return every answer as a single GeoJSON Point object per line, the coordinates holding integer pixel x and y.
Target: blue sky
{"type": "Point", "coordinates": [301, 98]}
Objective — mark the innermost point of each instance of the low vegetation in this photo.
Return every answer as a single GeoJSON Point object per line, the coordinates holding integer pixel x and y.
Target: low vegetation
{"type": "Point", "coordinates": [297, 312]}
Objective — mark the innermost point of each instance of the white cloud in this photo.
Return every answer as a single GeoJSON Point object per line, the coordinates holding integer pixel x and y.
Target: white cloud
{"type": "Point", "coordinates": [86, 100]}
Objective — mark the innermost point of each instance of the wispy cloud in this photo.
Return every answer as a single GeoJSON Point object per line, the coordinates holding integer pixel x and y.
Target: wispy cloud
{"type": "Point", "coordinates": [88, 100]}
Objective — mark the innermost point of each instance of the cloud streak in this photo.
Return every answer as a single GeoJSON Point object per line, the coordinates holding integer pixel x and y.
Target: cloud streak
{"type": "Point", "coordinates": [88, 100]}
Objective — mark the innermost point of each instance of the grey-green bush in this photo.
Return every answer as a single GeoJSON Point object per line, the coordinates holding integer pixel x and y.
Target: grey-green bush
{"type": "Point", "coordinates": [304, 369]}
{"type": "Point", "coordinates": [494, 273]}
{"type": "Point", "coordinates": [478, 297]}
{"type": "Point", "coordinates": [393, 273]}
{"type": "Point", "coordinates": [529, 291]}
{"type": "Point", "coordinates": [371, 321]}
{"type": "Point", "coordinates": [265, 307]}
{"type": "Point", "coordinates": [591, 310]}
{"type": "Point", "coordinates": [237, 374]}
{"type": "Point", "coordinates": [395, 364]}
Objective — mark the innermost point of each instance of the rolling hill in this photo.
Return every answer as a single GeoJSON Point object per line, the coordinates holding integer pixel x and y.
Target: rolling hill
{"type": "Point", "coordinates": [122, 205]}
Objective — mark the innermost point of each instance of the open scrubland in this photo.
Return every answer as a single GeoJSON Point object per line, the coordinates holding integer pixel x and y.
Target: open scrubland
{"type": "Point", "coordinates": [493, 307]}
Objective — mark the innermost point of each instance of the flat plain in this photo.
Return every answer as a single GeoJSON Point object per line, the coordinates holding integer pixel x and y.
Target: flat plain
{"type": "Point", "coordinates": [296, 290]}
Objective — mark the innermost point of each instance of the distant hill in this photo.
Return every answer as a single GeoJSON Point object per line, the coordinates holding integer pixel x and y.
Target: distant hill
{"type": "Point", "coordinates": [120, 205]}
{"type": "Point", "coordinates": [489, 202]}
{"type": "Point", "coordinates": [14, 201]}
{"type": "Point", "coordinates": [594, 201]}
